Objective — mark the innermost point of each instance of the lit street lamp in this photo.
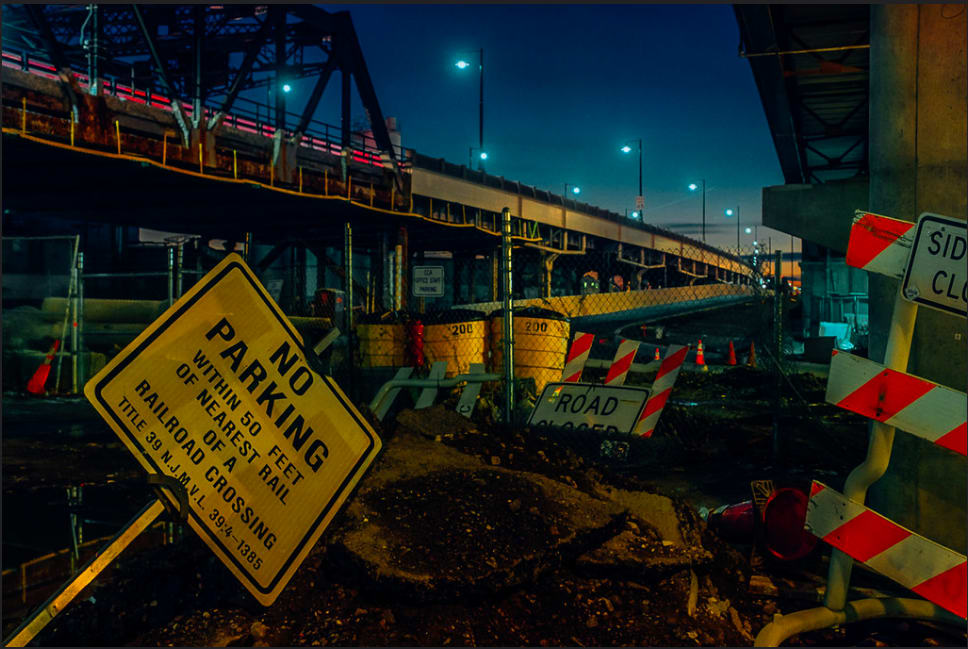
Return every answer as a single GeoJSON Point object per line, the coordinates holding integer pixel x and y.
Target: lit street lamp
{"type": "Point", "coordinates": [462, 64]}
{"type": "Point", "coordinates": [470, 155]}
{"type": "Point", "coordinates": [729, 212]}
{"type": "Point", "coordinates": [693, 187]}
{"type": "Point", "coordinates": [575, 189]}
{"type": "Point", "coordinates": [640, 199]}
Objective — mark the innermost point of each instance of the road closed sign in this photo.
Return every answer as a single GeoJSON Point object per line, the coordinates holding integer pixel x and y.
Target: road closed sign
{"type": "Point", "coordinates": [587, 406]}
{"type": "Point", "coordinates": [936, 274]}
{"type": "Point", "coordinates": [217, 393]}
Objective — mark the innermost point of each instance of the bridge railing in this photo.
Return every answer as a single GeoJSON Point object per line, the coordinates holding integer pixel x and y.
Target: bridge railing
{"type": "Point", "coordinates": [247, 115]}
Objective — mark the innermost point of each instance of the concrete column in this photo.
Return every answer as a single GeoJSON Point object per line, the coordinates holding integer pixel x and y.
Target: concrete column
{"type": "Point", "coordinates": [918, 164]}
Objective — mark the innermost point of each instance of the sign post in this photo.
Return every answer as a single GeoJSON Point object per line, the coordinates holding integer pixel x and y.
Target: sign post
{"type": "Point", "coordinates": [218, 394]}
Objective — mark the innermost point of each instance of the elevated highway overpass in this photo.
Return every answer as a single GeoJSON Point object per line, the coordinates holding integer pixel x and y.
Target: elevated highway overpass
{"type": "Point", "coordinates": [122, 147]}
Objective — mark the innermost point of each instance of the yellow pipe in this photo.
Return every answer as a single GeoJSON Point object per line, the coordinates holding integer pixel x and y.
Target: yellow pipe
{"type": "Point", "coordinates": [72, 128]}
{"type": "Point", "coordinates": [325, 182]}
{"type": "Point", "coordinates": [164, 150]}
{"type": "Point", "coordinates": [201, 167]}
{"type": "Point", "coordinates": [235, 164]}
{"type": "Point", "coordinates": [300, 180]}
{"type": "Point", "coordinates": [23, 114]}
{"type": "Point", "coordinates": [117, 134]}
{"type": "Point", "coordinates": [349, 187]}
{"type": "Point", "coordinates": [785, 626]}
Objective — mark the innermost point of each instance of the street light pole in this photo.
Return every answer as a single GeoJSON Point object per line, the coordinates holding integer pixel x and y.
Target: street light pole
{"type": "Point", "coordinates": [729, 212]}
{"type": "Point", "coordinates": [704, 210]}
{"type": "Point", "coordinates": [628, 149]}
{"type": "Point", "coordinates": [640, 174]}
{"type": "Point", "coordinates": [481, 111]}
{"type": "Point", "coordinates": [693, 187]}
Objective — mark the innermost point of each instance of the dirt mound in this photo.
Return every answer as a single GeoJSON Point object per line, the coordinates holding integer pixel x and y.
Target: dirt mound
{"type": "Point", "coordinates": [435, 524]}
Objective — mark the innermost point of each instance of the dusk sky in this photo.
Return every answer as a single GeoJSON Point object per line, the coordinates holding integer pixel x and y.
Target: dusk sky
{"type": "Point", "coordinates": [565, 86]}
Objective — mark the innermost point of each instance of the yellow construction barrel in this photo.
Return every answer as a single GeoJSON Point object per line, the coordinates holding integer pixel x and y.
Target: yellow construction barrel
{"type": "Point", "coordinates": [458, 336]}
{"type": "Point", "coordinates": [382, 340]}
{"type": "Point", "coordinates": [540, 344]}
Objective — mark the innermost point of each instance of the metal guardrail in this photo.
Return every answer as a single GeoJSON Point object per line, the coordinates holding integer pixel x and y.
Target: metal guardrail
{"type": "Point", "coordinates": [320, 136]}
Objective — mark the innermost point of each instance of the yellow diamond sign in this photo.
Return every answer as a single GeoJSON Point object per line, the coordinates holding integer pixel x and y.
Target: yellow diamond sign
{"type": "Point", "coordinates": [217, 393]}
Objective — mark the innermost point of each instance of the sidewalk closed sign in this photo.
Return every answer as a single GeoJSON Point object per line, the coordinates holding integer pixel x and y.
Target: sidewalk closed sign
{"type": "Point", "coordinates": [936, 274]}
{"type": "Point", "coordinates": [217, 393]}
{"type": "Point", "coordinates": [428, 281]}
{"type": "Point", "coordinates": [588, 406]}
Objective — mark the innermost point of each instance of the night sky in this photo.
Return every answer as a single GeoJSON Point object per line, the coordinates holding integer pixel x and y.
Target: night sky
{"type": "Point", "coordinates": [565, 86]}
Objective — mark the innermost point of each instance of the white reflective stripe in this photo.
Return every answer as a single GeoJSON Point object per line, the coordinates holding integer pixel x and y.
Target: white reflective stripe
{"type": "Point", "coordinates": [626, 349]}
{"type": "Point", "coordinates": [659, 387]}
{"type": "Point", "coordinates": [914, 560]}
{"type": "Point", "coordinates": [935, 414]}
{"type": "Point", "coordinates": [828, 510]}
{"type": "Point", "coordinates": [847, 373]}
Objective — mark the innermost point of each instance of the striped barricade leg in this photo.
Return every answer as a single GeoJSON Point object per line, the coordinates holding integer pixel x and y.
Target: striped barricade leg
{"type": "Point", "coordinates": [910, 403]}
{"type": "Point", "coordinates": [661, 389]}
{"type": "Point", "coordinates": [581, 346]}
{"type": "Point", "coordinates": [427, 395]}
{"type": "Point", "coordinates": [933, 571]}
{"type": "Point", "coordinates": [618, 371]}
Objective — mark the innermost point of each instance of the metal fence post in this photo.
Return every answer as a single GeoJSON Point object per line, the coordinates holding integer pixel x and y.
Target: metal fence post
{"type": "Point", "coordinates": [171, 275]}
{"type": "Point", "coordinates": [778, 350]}
{"type": "Point", "coordinates": [348, 306]}
{"type": "Point", "coordinates": [508, 316]}
{"type": "Point", "coordinates": [179, 276]}
{"type": "Point", "coordinates": [79, 366]}
{"type": "Point", "coordinates": [76, 282]}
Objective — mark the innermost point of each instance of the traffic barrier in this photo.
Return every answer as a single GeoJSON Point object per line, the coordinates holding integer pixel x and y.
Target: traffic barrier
{"type": "Point", "coordinates": [915, 405]}
{"type": "Point", "coordinates": [732, 354]}
{"type": "Point", "coordinates": [540, 344]}
{"type": "Point", "coordinates": [930, 570]}
{"type": "Point", "coordinates": [701, 357]}
{"type": "Point", "coordinates": [892, 398]}
{"type": "Point", "coordinates": [581, 346]}
{"type": "Point", "coordinates": [381, 344]}
{"type": "Point", "coordinates": [458, 336]}
{"type": "Point", "coordinates": [619, 370]}
{"type": "Point", "coordinates": [751, 359]}
{"type": "Point", "coordinates": [665, 378]}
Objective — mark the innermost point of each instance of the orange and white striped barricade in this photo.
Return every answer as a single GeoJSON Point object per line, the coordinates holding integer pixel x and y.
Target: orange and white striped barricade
{"type": "Point", "coordinates": [931, 570]}
{"type": "Point", "coordinates": [910, 403]}
{"type": "Point", "coordinates": [929, 258]}
{"type": "Point", "coordinates": [879, 244]}
{"type": "Point", "coordinates": [619, 370]}
{"type": "Point", "coordinates": [581, 347]}
{"type": "Point", "coordinates": [665, 378]}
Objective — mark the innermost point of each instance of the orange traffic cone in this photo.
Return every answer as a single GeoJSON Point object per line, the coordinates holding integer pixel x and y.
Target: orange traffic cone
{"type": "Point", "coordinates": [751, 360]}
{"type": "Point", "coordinates": [732, 354]}
{"type": "Point", "coordinates": [36, 383]}
{"type": "Point", "coordinates": [701, 358]}
{"type": "Point", "coordinates": [657, 357]}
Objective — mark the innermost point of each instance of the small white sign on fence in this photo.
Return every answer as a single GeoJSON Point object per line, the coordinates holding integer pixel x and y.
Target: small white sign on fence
{"type": "Point", "coordinates": [428, 281]}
